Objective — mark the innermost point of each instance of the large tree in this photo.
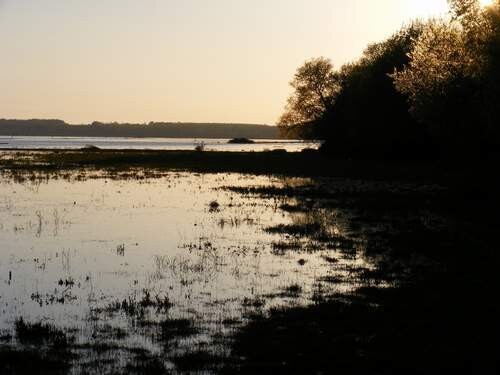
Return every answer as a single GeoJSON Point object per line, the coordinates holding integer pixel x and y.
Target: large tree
{"type": "Point", "coordinates": [315, 86]}
{"type": "Point", "coordinates": [451, 80]}
{"type": "Point", "coordinates": [369, 117]}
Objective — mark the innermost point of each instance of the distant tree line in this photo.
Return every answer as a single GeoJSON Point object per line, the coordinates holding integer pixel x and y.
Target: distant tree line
{"type": "Point", "coordinates": [153, 129]}
{"type": "Point", "coordinates": [430, 90]}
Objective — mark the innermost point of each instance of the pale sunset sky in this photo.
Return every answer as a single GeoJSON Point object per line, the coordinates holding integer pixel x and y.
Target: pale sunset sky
{"type": "Point", "coordinates": [177, 60]}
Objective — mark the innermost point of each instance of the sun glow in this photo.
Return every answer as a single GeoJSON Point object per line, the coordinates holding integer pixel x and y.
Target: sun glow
{"type": "Point", "coordinates": [486, 3]}
{"type": "Point", "coordinates": [428, 8]}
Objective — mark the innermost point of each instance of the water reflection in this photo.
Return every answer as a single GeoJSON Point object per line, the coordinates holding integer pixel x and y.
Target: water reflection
{"type": "Point", "coordinates": [103, 253]}
{"type": "Point", "coordinates": [120, 143]}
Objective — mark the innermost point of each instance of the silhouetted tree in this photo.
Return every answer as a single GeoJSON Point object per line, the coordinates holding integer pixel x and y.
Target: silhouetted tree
{"type": "Point", "coordinates": [431, 88]}
{"type": "Point", "coordinates": [315, 86]}
{"type": "Point", "coordinates": [452, 81]}
{"type": "Point", "coordinates": [369, 117]}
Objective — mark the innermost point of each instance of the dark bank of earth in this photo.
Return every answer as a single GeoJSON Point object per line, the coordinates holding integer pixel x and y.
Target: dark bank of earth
{"type": "Point", "coordinates": [307, 163]}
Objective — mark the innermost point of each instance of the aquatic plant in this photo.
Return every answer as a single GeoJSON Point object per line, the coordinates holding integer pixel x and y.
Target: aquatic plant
{"type": "Point", "coordinates": [40, 333]}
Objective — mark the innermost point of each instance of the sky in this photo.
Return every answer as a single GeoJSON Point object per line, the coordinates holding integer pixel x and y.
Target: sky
{"type": "Point", "coordinates": [178, 60]}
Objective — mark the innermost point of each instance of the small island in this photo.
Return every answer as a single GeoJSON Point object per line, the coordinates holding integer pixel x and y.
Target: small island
{"type": "Point", "coordinates": [241, 141]}
{"type": "Point", "coordinates": [90, 148]}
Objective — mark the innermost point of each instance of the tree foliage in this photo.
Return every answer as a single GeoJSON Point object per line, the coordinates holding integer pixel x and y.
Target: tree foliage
{"type": "Point", "coordinates": [432, 87]}
{"type": "Point", "coordinates": [369, 115]}
{"type": "Point", "coordinates": [440, 64]}
{"type": "Point", "coordinates": [452, 79]}
{"type": "Point", "coordinates": [315, 86]}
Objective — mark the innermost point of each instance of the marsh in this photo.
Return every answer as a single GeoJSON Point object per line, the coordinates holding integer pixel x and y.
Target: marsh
{"type": "Point", "coordinates": [169, 206]}
{"type": "Point", "coordinates": [97, 253]}
{"type": "Point", "coordinates": [135, 270]}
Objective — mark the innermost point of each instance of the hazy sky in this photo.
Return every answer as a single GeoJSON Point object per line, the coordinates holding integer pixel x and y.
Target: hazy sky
{"type": "Point", "coordinates": [177, 60]}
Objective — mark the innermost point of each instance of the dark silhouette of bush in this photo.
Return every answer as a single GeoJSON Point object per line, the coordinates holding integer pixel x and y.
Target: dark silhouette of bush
{"type": "Point", "coordinates": [370, 118]}
{"type": "Point", "coordinates": [430, 90]}
{"type": "Point", "coordinates": [358, 110]}
{"type": "Point", "coordinates": [452, 80]}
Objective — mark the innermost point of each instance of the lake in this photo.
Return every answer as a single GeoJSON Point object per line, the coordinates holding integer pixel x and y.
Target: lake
{"type": "Point", "coordinates": [114, 143]}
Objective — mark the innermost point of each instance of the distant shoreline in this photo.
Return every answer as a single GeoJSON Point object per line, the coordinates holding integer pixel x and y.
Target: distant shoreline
{"type": "Point", "coordinates": [256, 140]}
{"type": "Point", "coordinates": [58, 128]}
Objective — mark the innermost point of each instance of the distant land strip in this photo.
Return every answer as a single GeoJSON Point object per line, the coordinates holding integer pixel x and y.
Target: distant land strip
{"type": "Point", "coordinates": [59, 128]}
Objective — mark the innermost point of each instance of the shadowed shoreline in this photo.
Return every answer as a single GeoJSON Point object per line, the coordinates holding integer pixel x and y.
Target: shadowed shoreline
{"type": "Point", "coordinates": [307, 163]}
{"type": "Point", "coordinates": [472, 177]}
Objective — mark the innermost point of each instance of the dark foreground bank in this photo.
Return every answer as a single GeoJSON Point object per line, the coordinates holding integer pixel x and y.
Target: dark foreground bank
{"type": "Point", "coordinates": [469, 178]}
{"type": "Point", "coordinates": [310, 163]}
{"type": "Point", "coordinates": [307, 163]}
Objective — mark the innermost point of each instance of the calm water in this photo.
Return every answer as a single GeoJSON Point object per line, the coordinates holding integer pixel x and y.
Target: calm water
{"type": "Point", "coordinates": [150, 143]}
{"type": "Point", "coordinates": [71, 248]}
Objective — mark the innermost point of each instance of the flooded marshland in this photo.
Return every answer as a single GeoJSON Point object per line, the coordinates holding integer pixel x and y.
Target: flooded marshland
{"type": "Point", "coordinates": [158, 272]}
{"type": "Point", "coordinates": [112, 259]}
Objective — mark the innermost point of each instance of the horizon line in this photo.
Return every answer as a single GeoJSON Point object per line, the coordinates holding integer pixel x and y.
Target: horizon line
{"type": "Point", "coordinates": [137, 123]}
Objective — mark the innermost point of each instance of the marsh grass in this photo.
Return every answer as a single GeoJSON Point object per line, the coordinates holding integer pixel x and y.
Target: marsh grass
{"type": "Point", "coordinates": [138, 307]}
{"type": "Point", "coordinates": [214, 206]}
{"type": "Point", "coordinates": [176, 328]}
{"type": "Point", "coordinates": [19, 361]}
{"type": "Point", "coordinates": [40, 333]}
{"type": "Point", "coordinates": [281, 247]}
{"type": "Point", "coordinates": [120, 250]}
{"type": "Point", "coordinates": [42, 348]}
{"type": "Point", "coordinates": [292, 291]}
{"type": "Point", "coordinates": [296, 230]}
{"type": "Point", "coordinates": [146, 365]}
{"type": "Point", "coordinates": [199, 361]}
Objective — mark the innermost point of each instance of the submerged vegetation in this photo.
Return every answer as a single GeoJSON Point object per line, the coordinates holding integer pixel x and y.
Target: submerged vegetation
{"type": "Point", "coordinates": [29, 333]}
